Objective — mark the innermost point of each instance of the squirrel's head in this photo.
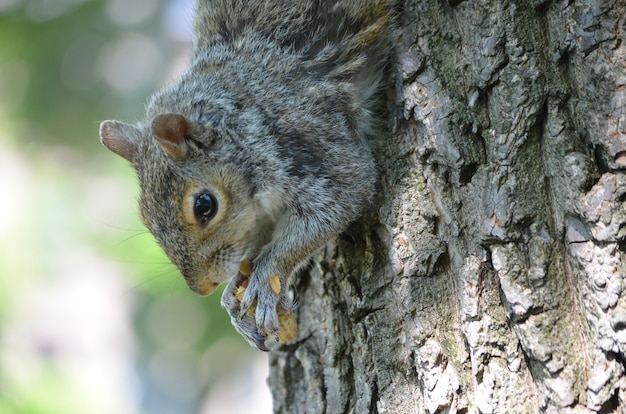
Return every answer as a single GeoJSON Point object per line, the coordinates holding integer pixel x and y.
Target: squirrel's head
{"type": "Point", "coordinates": [195, 199]}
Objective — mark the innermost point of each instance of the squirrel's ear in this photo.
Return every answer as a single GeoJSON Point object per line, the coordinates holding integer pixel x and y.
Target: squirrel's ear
{"type": "Point", "coordinates": [120, 138]}
{"type": "Point", "coordinates": [170, 131]}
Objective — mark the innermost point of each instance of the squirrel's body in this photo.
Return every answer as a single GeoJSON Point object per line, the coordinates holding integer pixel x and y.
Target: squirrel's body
{"type": "Point", "coordinates": [259, 151]}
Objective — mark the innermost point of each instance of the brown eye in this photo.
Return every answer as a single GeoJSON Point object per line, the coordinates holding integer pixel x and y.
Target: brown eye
{"type": "Point", "coordinates": [205, 208]}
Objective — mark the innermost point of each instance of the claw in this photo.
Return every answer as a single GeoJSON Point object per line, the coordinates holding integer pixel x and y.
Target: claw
{"type": "Point", "coordinates": [259, 341]}
{"type": "Point", "coordinates": [243, 310]}
{"type": "Point", "coordinates": [247, 328]}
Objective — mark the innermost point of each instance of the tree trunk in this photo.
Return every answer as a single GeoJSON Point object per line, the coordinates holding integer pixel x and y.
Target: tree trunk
{"type": "Point", "coordinates": [491, 278]}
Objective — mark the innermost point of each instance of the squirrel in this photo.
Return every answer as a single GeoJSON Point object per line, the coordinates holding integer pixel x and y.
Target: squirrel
{"type": "Point", "coordinates": [259, 152]}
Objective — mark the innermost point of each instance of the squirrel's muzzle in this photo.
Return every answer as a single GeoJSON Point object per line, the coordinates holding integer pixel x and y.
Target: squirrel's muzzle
{"type": "Point", "coordinates": [203, 288]}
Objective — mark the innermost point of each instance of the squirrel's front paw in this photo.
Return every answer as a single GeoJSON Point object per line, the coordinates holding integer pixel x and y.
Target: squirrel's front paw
{"type": "Point", "coordinates": [229, 301]}
{"type": "Point", "coordinates": [263, 300]}
{"type": "Point", "coordinates": [246, 326]}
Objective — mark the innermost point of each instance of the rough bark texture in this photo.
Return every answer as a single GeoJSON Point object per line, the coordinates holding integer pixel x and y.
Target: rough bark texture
{"type": "Point", "coordinates": [491, 278]}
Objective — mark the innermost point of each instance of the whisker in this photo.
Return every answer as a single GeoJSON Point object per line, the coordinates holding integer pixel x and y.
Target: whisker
{"type": "Point", "coordinates": [164, 274]}
{"type": "Point", "coordinates": [118, 227]}
{"type": "Point", "coordinates": [131, 237]}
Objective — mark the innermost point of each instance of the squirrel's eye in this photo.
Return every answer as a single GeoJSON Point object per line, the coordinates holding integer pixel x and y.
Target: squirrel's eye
{"type": "Point", "coordinates": [205, 207]}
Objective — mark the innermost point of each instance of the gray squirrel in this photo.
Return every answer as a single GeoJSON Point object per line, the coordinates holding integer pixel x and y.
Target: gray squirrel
{"type": "Point", "coordinates": [259, 151]}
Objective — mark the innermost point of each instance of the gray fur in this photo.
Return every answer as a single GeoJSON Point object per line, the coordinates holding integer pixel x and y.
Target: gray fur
{"type": "Point", "coordinates": [279, 99]}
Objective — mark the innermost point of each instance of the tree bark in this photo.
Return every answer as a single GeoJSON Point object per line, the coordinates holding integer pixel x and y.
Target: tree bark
{"type": "Point", "coordinates": [491, 278]}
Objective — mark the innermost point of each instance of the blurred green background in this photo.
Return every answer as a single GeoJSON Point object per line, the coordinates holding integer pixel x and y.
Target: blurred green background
{"type": "Point", "coordinates": [93, 318]}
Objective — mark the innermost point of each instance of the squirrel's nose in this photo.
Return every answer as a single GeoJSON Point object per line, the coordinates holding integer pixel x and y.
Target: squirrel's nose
{"type": "Point", "coordinates": [203, 288]}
